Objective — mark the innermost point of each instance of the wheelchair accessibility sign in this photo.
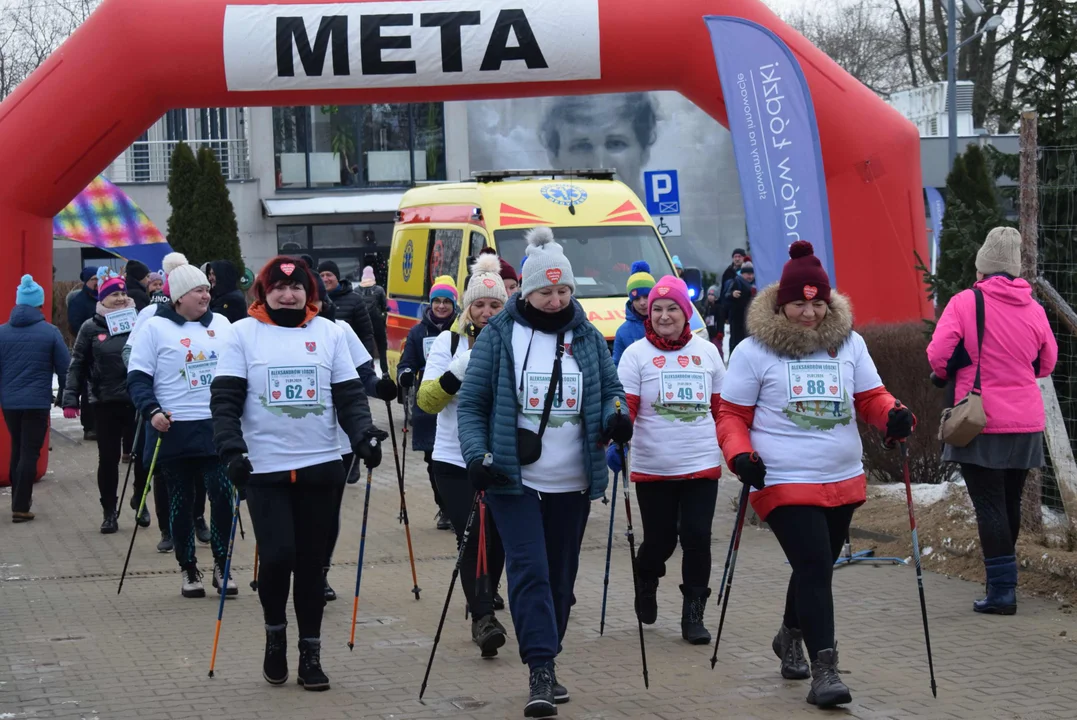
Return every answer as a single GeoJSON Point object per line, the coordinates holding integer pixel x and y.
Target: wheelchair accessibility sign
{"type": "Point", "coordinates": [663, 201]}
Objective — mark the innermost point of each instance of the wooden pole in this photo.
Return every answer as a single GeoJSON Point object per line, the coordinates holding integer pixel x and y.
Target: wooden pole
{"type": "Point", "coordinates": [1032, 516]}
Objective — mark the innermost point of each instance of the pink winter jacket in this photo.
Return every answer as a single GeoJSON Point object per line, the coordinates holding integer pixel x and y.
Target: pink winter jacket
{"type": "Point", "coordinates": [1016, 335]}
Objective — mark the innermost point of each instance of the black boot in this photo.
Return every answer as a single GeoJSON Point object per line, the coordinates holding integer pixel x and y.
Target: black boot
{"type": "Point", "coordinates": [827, 689]}
{"type": "Point", "coordinates": [310, 674]}
{"type": "Point", "coordinates": [695, 603]}
{"type": "Point", "coordinates": [443, 521]}
{"type": "Point", "coordinates": [488, 634]}
{"type": "Point", "coordinates": [540, 703]}
{"type": "Point", "coordinates": [647, 600]}
{"type": "Point", "coordinates": [275, 665]}
{"type": "Point", "coordinates": [110, 524]}
{"type": "Point", "coordinates": [330, 593]}
{"type": "Point", "coordinates": [788, 646]}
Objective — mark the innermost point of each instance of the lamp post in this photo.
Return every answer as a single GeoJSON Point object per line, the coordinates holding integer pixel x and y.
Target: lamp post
{"type": "Point", "coordinates": [951, 66]}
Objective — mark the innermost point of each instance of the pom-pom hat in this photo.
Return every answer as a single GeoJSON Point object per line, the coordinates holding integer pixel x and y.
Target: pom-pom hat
{"type": "Point", "coordinates": [485, 281]}
{"type": "Point", "coordinates": [803, 277]}
{"type": "Point", "coordinates": [546, 264]}
{"type": "Point", "coordinates": [29, 293]}
{"type": "Point", "coordinates": [182, 276]}
{"type": "Point", "coordinates": [640, 281]}
{"type": "Point", "coordinates": [444, 287]}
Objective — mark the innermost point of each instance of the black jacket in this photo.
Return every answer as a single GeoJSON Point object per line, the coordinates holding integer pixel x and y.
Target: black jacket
{"type": "Point", "coordinates": [424, 425]}
{"type": "Point", "coordinates": [81, 306]}
{"type": "Point", "coordinates": [225, 297]}
{"type": "Point", "coordinates": [97, 359]}
{"type": "Point", "coordinates": [136, 292]}
{"type": "Point", "coordinates": [352, 309]}
{"type": "Point", "coordinates": [377, 304]}
{"type": "Point", "coordinates": [729, 274]}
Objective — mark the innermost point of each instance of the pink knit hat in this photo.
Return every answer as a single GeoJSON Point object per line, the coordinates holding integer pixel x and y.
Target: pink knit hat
{"type": "Point", "coordinates": [671, 288]}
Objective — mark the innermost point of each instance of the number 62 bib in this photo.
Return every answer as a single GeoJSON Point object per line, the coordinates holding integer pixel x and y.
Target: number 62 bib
{"type": "Point", "coordinates": [293, 386]}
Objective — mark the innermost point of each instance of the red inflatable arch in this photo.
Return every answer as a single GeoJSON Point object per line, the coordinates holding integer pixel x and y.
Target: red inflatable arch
{"type": "Point", "coordinates": [134, 60]}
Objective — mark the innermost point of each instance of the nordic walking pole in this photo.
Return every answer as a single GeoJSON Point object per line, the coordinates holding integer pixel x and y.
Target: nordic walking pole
{"type": "Point", "coordinates": [609, 555]}
{"type": "Point", "coordinates": [632, 551]}
{"type": "Point", "coordinates": [919, 570]}
{"type": "Point", "coordinates": [141, 505]}
{"type": "Point", "coordinates": [362, 548]}
{"type": "Point", "coordinates": [728, 557]}
{"type": "Point", "coordinates": [242, 535]}
{"type": "Point", "coordinates": [223, 589]}
{"type": "Point", "coordinates": [487, 461]}
{"type": "Point", "coordinates": [134, 455]}
{"type": "Point", "coordinates": [727, 582]}
{"type": "Point", "coordinates": [415, 590]}
{"type": "Point", "coordinates": [254, 582]}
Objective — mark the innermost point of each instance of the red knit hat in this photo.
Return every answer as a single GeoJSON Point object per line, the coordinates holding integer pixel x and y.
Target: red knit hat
{"type": "Point", "coordinates": [283, 269]}
{"type": "Point", "coordinates": [803, 277]}
{"type": "Point", "coordinates": [507, 271]}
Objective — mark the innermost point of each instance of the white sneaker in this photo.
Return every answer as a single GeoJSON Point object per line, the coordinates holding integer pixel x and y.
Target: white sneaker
{"type": "Point", "coordinates": [192, 582]}
{"type": "Point", "coordinates": [218, 571]}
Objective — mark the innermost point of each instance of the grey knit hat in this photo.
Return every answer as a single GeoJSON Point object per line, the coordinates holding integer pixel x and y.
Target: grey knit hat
{"type": "Point", "coordinates": [546, 264]}
{"type": "Point", "coordinates": [485, 281]}
{"type": "Point", "coordinates": [1000, 253]}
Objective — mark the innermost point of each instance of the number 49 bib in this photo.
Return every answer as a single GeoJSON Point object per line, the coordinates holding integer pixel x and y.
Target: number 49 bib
{"type": "Point", "coordinates": [293, 386]}
{"type": "Point", "coordinates": [683, 387]}
{"type": "Point", "coordinates": [814, 380]}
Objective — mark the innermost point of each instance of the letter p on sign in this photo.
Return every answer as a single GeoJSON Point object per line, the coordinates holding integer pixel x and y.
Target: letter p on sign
{"type": "Point", "coordinates": [663, 193]}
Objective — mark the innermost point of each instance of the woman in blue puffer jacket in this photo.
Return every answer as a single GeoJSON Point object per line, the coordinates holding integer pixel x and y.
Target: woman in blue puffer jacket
{"type": "Point", "coordinates": [541, 352]}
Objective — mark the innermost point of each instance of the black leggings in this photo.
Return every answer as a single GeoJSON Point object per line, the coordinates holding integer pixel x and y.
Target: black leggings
{"type": "Point", "coordinates": [996, 495]}
{"type": "Point", "coordinates": [292, 524]}
{"type": "Point", "coordinates": [661, 505]}
{"type": "Point", "coordinates": [812, 538]}
{"type": "Point", "coordinates": [115, 422]}
{"type": "Point", "coordinates": [457, 496]}
{"type": "Point", "coordinates": [180, 474]}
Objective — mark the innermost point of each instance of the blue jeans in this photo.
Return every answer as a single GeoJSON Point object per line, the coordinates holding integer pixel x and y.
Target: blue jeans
{"type": "Point", "coordinates": [542, 534]}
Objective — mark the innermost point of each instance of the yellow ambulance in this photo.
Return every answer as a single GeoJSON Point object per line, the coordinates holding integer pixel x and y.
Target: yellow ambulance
{"type": "Point", "coordinates": [599, 221]}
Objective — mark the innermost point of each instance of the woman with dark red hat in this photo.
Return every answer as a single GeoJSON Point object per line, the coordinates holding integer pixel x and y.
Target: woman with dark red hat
{"type": "Point", "coordinates": [287, 372]}
{"type": "Point", "coordinates": [791, 398]}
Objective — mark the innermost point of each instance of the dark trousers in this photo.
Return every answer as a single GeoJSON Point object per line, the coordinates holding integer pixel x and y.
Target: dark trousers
{"type": "Point", "coordinates": [115, 421]}
{"type": "Point", "coordinates": [292, 524]}
{"type": "Point", "coordinates": [381, 341]}
{"type": "Point", "coordinates": [665, 504]}
{"type": "Point", "coordinates": [87, 414]}
{"type": "Point", "coordinates": [334, 522]}
{"type": "Point", "coordinates": [812, 538]}
{"type": "Point", "coordinates": [429, 459]}
{"type": "Point", "coordinates": [198, 507]}
{"type": "Point", "coordinates": [457, 496]}
{"type": "Point", "coordinates": [27, 429]}
{"type": "Point", "coordinates": [161, 502]}
{"type": "Point", "coordinates": [542, 534]}
{"type": "Point", "coordinates": [996, 495]}
{"type": "Point", "coordinates": [181, 475]}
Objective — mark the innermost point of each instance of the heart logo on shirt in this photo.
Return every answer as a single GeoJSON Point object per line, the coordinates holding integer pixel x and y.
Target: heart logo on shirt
{"type": "Point", "coordinates": [276, 394]}
{"type": "Point", "coordinates": [186, 342]}
{"type": "Point", "coordinates": [310, 393]}
{"type": "Point", "coordinates": [571, 402]}
{"type": "Point", "coordinates": [287, 268]}
{"type": "Point", "coordinates": [798, 389]}
{"type": "Point", "coordinates": [682, 360]}
{"type": "Point", "coordinates": [659, 362]}
{"type": "Point", "coordinates": [669, 396]}
{"type": "Point", "coordinates": [699, 396]}
{"type": "Point", "coordinates": [534, 402]}
{"type": "Point", "coordinates": [833, 389]}
{"type": "Point", "coordinates": [554, 275]}
{"type": "Point", "coordinates": [488, 283]}
{"type": "Point", "coordinates": [810, 291]}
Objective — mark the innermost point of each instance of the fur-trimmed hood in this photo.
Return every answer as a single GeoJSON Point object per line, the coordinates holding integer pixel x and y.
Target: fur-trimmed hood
{"type": "Point", "coordinates": [773, 330]}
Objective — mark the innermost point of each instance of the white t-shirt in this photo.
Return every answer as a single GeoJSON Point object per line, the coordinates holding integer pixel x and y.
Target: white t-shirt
{"type": "Point", "coordinates": [675, 432]}
{"type": "Point", "coordinates": [447, 439]}
{"type": "Point", "coordinates": [181, 359]}
{"type": "Point", "coordinates": [289, 420]}
{"type": "Point", "coordinates": [805, 422]}
{"type": "Point", "coordinates": [560, 467]}
{"type": "Point", "coordinates": [359, 356]}
{"type": "Point", "coordinates": [143, 315]}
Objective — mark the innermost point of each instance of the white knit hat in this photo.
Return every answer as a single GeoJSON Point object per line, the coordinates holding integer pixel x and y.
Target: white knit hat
{"type": "Point", "coordinates": [1000, 253]}
{"type": "Point", "coordinates": [546, 263]}
{"type": "Point", "coordinates": [485, 281]}
{"type": "Point", "coordinates": [182, 276]}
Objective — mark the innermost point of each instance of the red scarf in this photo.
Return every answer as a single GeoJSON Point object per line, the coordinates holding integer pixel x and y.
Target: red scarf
{"type": "Point", "coordinates": [663, 344]}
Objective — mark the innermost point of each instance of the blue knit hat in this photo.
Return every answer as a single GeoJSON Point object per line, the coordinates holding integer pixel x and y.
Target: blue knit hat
{"type": "Point", "coordinates": [29, 293]}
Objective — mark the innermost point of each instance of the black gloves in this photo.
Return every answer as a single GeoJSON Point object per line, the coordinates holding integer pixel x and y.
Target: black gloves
{"type": "Point", "coordinates": [239, 470]}
{"type": "Point", "coordinates": [407, 378]}
{"type": "Point", "coordinates": [900, 423]}
{"type": "Point", "coordinates": [619, 428]}
{"type": "Point", "coordinates": [369, 449]}
{"type": "Point", "coordinates": [385, 389]}
{"type": "Point", "coordinates": [938, 381]}
{"type": "Point", "coordinates": [483, 476]}
{"type": "Point", "coordinates": [750, 470]}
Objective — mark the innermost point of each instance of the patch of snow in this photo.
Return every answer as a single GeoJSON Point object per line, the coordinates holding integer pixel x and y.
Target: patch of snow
{"type": "Point", "coordinates": [927, 551]}
{"type": "Point", "coordinates": [923, 494]}
{"type": "Point", "coordinates": [1054, 518]}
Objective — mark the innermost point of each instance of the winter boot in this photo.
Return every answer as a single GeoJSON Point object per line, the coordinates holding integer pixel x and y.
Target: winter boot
{"type": "Point", "coordinates": [143, 518]}
{"type": "Point", "coordinates": [540, 703]}
{"type": "Point", "coordinates": [788, 646]}
{"type": "Point", "coordinates": [330, 593]}
{"type": "Point", "coordinates": [695, 603]}
{"type": "Point", "coordinates": [166, 545]}
{"type": "Point", "coordinates": [191, 586]}
{"type": "Point", "coordinates": [110, 524]}
{"type": "Point", "coordinates": [1001, 587]}
{"type": "Point", "coordinates": [219, 580]}
{"type": "Point", "coordinates": [201, 531]}
{"type": "Point", "coordinates": [275, 664]}
{"type": "Point", "coordinates": [827, 689]}
{"type": "Point", "coordinates": [488, 634]}
{"type": "Point", "coordinates": [647, 600]}
{"type": "Point", "coordinates": [498, 601]}
{"type": "Point", "coordinates": [443, 521]}
{"type": "Point", "coordinates": [310, 674]}
{"type": "Point", "coordinates": [560, 692]}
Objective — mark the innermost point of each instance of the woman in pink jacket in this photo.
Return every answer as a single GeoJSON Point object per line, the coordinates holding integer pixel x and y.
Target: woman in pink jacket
{"type": "Point", "coordinates": [1018, 347]}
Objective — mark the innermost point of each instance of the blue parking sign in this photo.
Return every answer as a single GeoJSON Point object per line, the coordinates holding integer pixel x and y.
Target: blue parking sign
{"type": "Point", "coordinates": [663, 193]}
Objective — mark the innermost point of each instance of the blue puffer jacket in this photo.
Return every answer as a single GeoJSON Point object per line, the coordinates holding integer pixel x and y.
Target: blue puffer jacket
{"type": "Point", "coordinates": [630, 331]}
{"type": "Point", "coordinates": [489, 406]}
{"type": "Point", "coordinates": [424, 426]}
{"type": "Point", "coordinates": [31, 351]}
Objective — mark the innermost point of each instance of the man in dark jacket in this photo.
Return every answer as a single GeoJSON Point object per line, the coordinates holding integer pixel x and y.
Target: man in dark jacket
{"type": "Point", "coordinates": [736, 300]}
{"type": "Point", "coordinates": [31, 351]}
{"type": "Point", "coordinates": [225, 296]}
{"type": "Point", "coordinates": [731, 272]}
{"type": "Point", "coordinates": [378, 307]}
{"type": "Point", "coordinates": [138, 279]}
{"type": "Point", "coordinates": [82, 303]}
{"type": "Point", "coordinates": [350, 306]}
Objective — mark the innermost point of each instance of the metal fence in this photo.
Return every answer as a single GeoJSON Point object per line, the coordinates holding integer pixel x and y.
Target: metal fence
{"type": "Point", "coordinates": [149, 161]}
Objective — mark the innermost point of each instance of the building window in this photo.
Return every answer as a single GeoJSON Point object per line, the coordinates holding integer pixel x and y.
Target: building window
{"type": "Point", "coordinates": [349, 245]}
{"type": "Point", "coordinates": [341, 146]}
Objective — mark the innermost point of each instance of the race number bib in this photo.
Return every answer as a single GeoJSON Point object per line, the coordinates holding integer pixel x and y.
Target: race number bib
{"type": "Point", "coordinates": [121, 321]}
{"type": "Point", "coordinates": [814, 380]}
{"type": "Point", "coordinates": [200, 374]}
{"type": "Point", "coordinates": [428, 342]}
{"type": "Point", "coordinates": [537, 384]}
{"type": "Point", "coordinates": [683, 387]}
{"type": "Point", "coordinates": [293, 386]}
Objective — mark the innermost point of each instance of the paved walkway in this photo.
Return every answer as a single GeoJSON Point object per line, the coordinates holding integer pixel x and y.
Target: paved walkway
{"type": "Point", "coordinates": [71, 648]}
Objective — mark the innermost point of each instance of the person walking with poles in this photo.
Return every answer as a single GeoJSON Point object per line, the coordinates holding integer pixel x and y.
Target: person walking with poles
{"type": "Point", "coordinates": [410, 370]}
{"type": "Point", "coordinates": [993, 341]}
{"type": "Point", "coordinates": [788, 425]}
{"type": "Point", "coordinates": [539, 398]}
{"type": "Point", "coordinates": [97, 363]}
{"type": "Point", "coordinates": [445, 368]}
{"type": "Point", "coordinates": [173, 361]}
{"type": "Point", "coordinates": [288, 373]}
{"type": "Point", "coordinates": [673, 382]}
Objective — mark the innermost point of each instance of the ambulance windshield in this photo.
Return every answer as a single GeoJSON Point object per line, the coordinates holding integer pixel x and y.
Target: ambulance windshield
{"type": "Point", "coordinates": [601, 256]}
